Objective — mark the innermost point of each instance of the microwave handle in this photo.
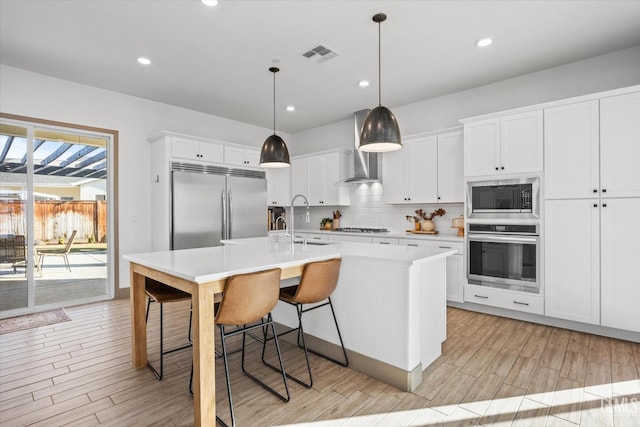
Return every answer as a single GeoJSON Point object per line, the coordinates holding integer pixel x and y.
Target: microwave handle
{"type": "Point", "coordinates": [492, 238]}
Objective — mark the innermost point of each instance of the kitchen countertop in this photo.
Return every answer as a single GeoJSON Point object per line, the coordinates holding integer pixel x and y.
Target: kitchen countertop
{"type": "Point", "coordinates": [394, 235]}
{"type": "Point", "coordinates": [240, 256]}
{"type": "Point", "coordinates": [407, 255]}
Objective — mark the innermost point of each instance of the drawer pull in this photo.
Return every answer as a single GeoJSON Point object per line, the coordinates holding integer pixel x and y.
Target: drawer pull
{"type": "Point", "coordinates": [444, 247]}
{"type": "Point", "coordinates": [384, 243]}
{"type": "Point", "coordinates": [520, 303]}
{"type": "Point", "coordinates": [412, 244]}
{"type": "Point", "coordinates": [480, 296]}
{"type": "Point", "coordinates": [317, 238]}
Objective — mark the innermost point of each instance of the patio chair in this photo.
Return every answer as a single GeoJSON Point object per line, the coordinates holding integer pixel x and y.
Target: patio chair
{"type": "Point", "coordinates": [13, 251]}
{"type": "Point", "coordinates": [58, 252]}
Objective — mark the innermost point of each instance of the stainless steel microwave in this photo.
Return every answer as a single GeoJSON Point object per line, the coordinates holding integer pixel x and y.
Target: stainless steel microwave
{"type": "Point", "coordinates": [504, 199]}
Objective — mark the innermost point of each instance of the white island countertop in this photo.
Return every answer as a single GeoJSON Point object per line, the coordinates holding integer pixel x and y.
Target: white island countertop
{"type": "Point", "coordinates": [241, 256]}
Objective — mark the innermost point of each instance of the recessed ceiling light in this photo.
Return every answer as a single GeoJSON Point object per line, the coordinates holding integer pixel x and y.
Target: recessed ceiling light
{"type": "Point", "coordinates": [484, 42]}
{"type": "Point", "coordinates": [291, 108]}
{"type": "Point", "coordinates": [363, 83]}
{"type": "Point", "coordinates": [144, 61]}
{"type": "Point", "coordinates": [210, 2]}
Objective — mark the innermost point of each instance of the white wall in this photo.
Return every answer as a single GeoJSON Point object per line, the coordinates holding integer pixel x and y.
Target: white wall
{"type": "Point", "coordinates": [35, 95]}
{"type": "Point", "coordinates": [610, 71]}
{"type": "Point", "coordinates": [90, 190]}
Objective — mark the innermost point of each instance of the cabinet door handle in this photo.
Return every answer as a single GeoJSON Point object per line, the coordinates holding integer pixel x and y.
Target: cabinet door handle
{"type": "Point", "coordinates": [595, 205]}
{"type": "Point", "coordinates": [444, 247]}
{"type": "Point", "coordinates": [604, 205]}
{"type": "Point", "coordinates": [438, 197]}
{"type": "Point", "coordinates": [604, 190]}
{"type": "Point", "coordinates": [480, 296]}
{"type": "Point", "coordinates": [412, 244]}
{"type": "Point", "coordinates": [595, 190]}
{"type": "Point", "coordinates": [520, 303]}
{"type": "Point", "coordinates": [496, 168]}
{"type": "Point", "coordinates": [383, 243]}
{"type": "Point", "coordinates": [502, 167]}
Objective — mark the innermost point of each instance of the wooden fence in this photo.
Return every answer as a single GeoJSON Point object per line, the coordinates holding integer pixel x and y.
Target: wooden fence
{"type": "Point", "coordinates": [56, 219]}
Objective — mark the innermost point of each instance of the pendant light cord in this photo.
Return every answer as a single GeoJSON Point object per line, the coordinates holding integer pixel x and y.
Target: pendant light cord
{"type": "Point", "coordinates": [274, 102]}
{"type": "Point", "coordinates": [379, 68]}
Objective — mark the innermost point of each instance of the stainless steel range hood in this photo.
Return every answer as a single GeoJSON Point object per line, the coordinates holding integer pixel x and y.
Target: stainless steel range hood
{"type": "Point", "coordinates": [365, 165]}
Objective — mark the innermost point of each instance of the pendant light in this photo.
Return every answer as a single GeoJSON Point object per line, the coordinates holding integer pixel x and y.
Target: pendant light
{"type": "Point", "coordinates": [380, 131]}
{"type": "Point", "coordinates": [274, 153]}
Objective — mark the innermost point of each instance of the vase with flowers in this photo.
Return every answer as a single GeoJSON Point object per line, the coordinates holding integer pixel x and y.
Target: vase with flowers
{"type": "Point", "coordinates": [424, 221]}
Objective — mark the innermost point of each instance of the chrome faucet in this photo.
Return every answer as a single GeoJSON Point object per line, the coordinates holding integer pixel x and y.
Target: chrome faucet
{"type": "Point", "coordinates": [291, 218]}
{"type": "Point", "coordinates": [283, 223]}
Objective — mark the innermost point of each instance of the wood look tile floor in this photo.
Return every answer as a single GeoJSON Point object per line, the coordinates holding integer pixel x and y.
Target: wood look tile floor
{"type": "Point", "coordinates": [493, 371]}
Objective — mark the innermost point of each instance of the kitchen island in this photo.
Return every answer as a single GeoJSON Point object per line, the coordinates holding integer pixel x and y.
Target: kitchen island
{"type": "Point", "coordinates": [390, 303]}
{"type": "Point", "coordinates": [391, 307]}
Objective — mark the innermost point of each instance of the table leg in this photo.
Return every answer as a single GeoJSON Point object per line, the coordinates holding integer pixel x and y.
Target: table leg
{"type": "Point", "coordinates": [138, 322]}
{"type": "Point", "coordinates": [204, 375]}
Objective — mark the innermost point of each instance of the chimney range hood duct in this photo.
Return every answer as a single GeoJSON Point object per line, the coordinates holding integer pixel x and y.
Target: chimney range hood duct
{"type": "Point", "coordinates": [365, 165]}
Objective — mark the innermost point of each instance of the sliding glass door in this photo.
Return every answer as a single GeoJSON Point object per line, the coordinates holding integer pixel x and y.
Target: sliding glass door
{"type": "Point", "coordinates": [55, 217]}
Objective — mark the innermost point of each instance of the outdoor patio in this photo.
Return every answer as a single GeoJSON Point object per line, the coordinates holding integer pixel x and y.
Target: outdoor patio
{"type": "Point", "coordinates": [54, 283]}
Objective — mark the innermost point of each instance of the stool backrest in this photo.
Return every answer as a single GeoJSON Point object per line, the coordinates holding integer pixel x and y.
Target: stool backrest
{"type": "Point", "coordinates": [319, 280]}
{"type": "Point", "coordinates": [248, 297]}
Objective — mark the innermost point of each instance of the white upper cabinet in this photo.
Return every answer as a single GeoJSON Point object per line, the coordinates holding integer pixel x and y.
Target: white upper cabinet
{"type": "Point", "coordinates": [241, 156]}
{"type": "Point", "coordinates": [482, 148]}
{"type": "Point", "coordinates": [278, 186]}
{"type": "Point", "coordinates": [299, 179]}
{"type": "Point", "coordinates": [450, 167]}
{"type": "Point", "coordinates": [571, 151]}
{"type": "Point", "coordinates": [189, 149]}
{"type": "Point", "coordinates": [410, 175]}
{"type": "Point", "coordinates": [620, 145]}
{"type": "Point", "coordinates": [428, 169]}
{"type": "Point", "coordinates": [507, 145]}
{"type": "Point", "coordinates": [316, 177]}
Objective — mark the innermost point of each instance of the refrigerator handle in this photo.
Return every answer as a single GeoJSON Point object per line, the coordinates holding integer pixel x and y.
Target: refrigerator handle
{"type": "Point", "coordinates": [224, 214]}
{"type": "Point", "coordinates": [230, 216]}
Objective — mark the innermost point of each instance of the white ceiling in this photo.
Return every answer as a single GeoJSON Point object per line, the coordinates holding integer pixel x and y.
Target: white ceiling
{"type": "Point", "coordinates": [216, 60]}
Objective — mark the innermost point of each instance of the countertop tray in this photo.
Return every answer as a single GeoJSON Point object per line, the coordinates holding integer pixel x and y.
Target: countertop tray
{"type": "Point", "coordinates": [422, 232]}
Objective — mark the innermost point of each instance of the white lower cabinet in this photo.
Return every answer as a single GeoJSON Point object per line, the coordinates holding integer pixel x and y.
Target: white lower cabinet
{"type": "Point", "coordinates": [455, 265]}
{"type": "Point", "coordinates": [385, 241]}
{"type": "Point", "coordinates": [619, 258]}
{"type": "Point", "coordinates": [503, 298]}
{"type": "Point", "coordinates": [591, 256]}
{"type": "Point", "coordinates": [343, 238]}
{"type": "Point", "coordinates": [572, 260]}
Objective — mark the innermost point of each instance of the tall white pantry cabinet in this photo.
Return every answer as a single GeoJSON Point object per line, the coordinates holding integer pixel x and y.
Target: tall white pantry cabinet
{"type": "Point", "coordinates": [592, 203]}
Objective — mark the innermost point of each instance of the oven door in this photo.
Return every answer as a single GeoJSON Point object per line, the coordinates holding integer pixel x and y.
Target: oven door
{"type": "Point", "coordinates": [504, 261]}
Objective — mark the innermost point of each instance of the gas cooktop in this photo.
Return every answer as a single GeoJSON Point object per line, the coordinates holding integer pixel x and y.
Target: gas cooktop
{"type": "Point", "coordinates": [362, 230]}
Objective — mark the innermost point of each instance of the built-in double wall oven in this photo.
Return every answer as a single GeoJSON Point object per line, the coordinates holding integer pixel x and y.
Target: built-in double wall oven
{"type": "Point", "coordinates": [503, 234]}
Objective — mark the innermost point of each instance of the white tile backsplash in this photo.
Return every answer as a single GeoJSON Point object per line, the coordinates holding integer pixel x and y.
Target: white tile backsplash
{"type": "Point", "coordinates": [368, 210]}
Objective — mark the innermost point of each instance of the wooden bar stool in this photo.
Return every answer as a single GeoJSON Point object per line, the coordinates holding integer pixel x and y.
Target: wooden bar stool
{"type": "Point", "coordinates": [162, 294]}
{"type": "Point", "coordinates": [318, 281]}
{"type": "Point", "coordinates": [246, 300]}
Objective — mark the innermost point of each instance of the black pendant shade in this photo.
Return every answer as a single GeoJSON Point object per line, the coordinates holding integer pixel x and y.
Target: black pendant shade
{"type": "Point", "coordinates": [274, 153]}
{"type": "Point", "coordinates": [380, 130]}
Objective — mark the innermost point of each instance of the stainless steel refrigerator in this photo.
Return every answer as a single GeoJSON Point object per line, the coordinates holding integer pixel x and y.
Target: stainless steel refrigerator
{"type": "Point", "coordinates": [210, 203]}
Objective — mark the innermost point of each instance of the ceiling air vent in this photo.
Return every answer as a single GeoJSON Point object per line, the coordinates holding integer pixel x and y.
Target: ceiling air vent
{"type": "Point", "coordinates": [320, 54]}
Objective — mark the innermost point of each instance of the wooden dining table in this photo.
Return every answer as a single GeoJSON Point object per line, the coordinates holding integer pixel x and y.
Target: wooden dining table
{"type": "Point", "coordinates": [202, 273]}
